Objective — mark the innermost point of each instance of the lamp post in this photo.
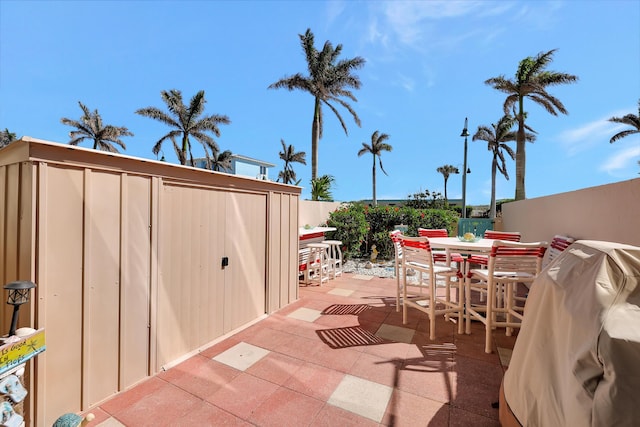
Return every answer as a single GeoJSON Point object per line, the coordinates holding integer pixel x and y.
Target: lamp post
{"type": "Point", "coordinates": [18, 295]}
{"type": "Point", "coordinates": [464, 133]}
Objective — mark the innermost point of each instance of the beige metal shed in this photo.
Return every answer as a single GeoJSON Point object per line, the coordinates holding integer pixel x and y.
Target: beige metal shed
{"type": "Point", "coordinates": [127, 254]}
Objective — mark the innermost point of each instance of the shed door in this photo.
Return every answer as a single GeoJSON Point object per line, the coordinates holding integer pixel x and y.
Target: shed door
{"type": "Point", "coordinates": [198, 299]}
{"type": "Point", "coordinates": [245, 247]}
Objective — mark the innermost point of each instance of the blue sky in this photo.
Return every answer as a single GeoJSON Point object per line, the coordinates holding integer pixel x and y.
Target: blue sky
{"type": "Point", "coordinates": [426, 63]}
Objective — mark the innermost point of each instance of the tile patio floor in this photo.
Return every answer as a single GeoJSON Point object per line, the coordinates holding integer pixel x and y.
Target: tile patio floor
{"type": "Point", "coordinates": [339, 356]}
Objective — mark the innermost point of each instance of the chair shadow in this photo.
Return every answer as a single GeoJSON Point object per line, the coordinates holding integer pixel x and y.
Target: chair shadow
{"type": "Point", "coordinates": [435, 357]}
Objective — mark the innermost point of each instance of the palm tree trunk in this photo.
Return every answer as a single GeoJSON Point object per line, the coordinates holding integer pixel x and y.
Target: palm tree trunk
{"type": "Point", "coordinates": [520, 154]}
{"type": "Point", "coordinates": [185, 145]}
{"type": "Point", "coordinates": [446, 199]}
{"type": "Point", "coordinates": [492, 209]}
{"type": "Point", "coordinates": [315, 138]}
{"type": "Point", "coordinates": [375, 202]}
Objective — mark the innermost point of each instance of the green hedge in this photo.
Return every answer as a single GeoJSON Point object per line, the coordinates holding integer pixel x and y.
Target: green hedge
{"type": "Point", "coordinates": [359, 227]}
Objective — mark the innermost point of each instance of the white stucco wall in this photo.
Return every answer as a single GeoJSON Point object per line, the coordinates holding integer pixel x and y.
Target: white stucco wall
{"type": "Point", "coordinates": [609, 212]}
{"type": "Point", "coordinates": [315, 213]}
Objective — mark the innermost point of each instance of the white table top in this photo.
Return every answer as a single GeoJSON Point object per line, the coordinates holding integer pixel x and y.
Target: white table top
{"type": "Point", "coordinates": [482, 245]}
{"type": "Point", "coordinates": [304, 231]}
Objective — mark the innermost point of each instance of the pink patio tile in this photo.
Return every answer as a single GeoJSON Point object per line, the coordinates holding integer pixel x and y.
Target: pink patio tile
{"type": "Point", "coordinates": [315, 381]}
{"type": "Point", "coordinates": [167, 405]}
{"type": "Point", "coordinates": [461, 418]}
{"type": "Point", "coordinates": [132, 396]}
{"type": "Point", "coordinates": [220, 347]}
{"type": "Point", "coordinates": [339, 359]}
{"type": "Point", "coordinates": [477, 396]}
{"type": "Point", "coordinates": [377, 369]}
{"type": "Point", "coordinates": [243, 395]}
{"type": "Point", "coordinates": [275, 367]}
{"type": "Point", "coordinates": [470, 370]}
{"type": "Point", "coordinates": [433, 380]}
{"type": "Point", "coordinates": [406, 409]}
{"type": "Point", "coordinates": [389, 350]}
{"type": "Point", "coordinates": [200, 376]}
{"type": "Point", "coordinates": [206, 414]}
{"type": "Point", "coordinates": [286, 408]}
{"type": "Point", "coordinates": [268, 338]}
{"type": "Point", "coordinates": [332, 416]}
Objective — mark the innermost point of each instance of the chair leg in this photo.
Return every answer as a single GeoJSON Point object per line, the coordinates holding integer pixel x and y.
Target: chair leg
{"type": "Point", "coordinates": [467, 298]}
{"type": "Point", "coordinates": [404, 298]}
{"type": "Point", "coordinates": [432, 307]}
{"type": "Point", "coordinates": [460, 306]}
{"type": "Point", "coordinates": [489, 315]}
{"type": "Point", "coordinates": [397, 288]}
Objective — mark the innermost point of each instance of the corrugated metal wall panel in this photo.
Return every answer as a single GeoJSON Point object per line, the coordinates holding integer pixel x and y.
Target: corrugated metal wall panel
{"type": "Point", "coordinates": [293, 246]}
{"type": "Point", "coordinates": [60, 213]}
{"type": "Point", "coordinates": [136, 279]}
{"type": "Point", "coordinates": [101, 286]}
{"type": "Point", "coordinates": [275, 244]}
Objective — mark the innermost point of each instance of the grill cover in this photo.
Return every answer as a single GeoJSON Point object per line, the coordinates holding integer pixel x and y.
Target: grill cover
{"type": "Point", "coordinates": [576, 361]}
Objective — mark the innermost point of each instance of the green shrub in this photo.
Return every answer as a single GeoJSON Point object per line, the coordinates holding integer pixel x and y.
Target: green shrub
{"type": "Point", "coordinates": [359, 227]}
{"type": "Point", "coordinates": [351, 229]}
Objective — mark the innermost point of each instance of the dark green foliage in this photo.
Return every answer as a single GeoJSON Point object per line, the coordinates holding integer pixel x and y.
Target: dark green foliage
{"type": "Point", "coordinates": [359, 227]}
{"type": "Point", "coordinates": [426, 200]}
{"type": "Point", "coordinates": [351, 227]}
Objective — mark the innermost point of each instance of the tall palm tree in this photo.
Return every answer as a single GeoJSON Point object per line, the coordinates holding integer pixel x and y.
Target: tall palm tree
{"type": "Point", "coordinates": [378, 145]}
{"type": "Point", "coordinates": [329, 79]}
{"type": "Point", "coordinates": [321, 188]}
{"type": "Point", "coordinates": [6, 137]}
{"type": "Point", "coordinates": [629, 119]}
{"type": "Point", "coordinates": [496, 137]}
{"type": "Point", "coordinates": [289, 156]}
{"type": "Point", "coordinates": [447, 170]}
{"type": "Point", "coordinates": [531, 81]}
{"type": "Point", "coordinates": [186, 121]}
{"type": "Point", "coordinates": [220, 161]}
{"type": "Point", "coordinates": [90, 127]}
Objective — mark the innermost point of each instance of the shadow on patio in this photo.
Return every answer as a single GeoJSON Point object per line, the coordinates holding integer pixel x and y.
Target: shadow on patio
{"type": "Point", "coordinates": [340, 355]}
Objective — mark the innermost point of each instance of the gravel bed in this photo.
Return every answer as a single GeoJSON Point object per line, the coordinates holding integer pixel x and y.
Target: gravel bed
{"type": "Point", "coordinates": [378, 268]}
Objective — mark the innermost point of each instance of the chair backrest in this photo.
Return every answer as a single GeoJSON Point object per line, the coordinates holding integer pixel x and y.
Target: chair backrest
{"type": "Point", "coordinates": [511, 236]}
{"type": "Point", "coordinates": [558, 244]}
{"type": "Point", "coordinates": [417, 250]}
{"type": "Point", "coordinates": [508, 256]}
{"type": "Point", "coordinates": [433, 232]}
{"type": "Point", "coordinates": [396, 238]}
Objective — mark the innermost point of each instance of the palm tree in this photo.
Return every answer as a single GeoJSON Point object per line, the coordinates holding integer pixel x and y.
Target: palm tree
{"type": "Point", "coordinates": [328, 81]}
{"type": "Point", "coordinates": [321, 188]}
{"type": "Point", "coordinates": [289, 156]}
{"type": "Point", "coordinates": [531, 81]}
{"type": "Point", "coordinates": [220, 161]}
{"type": "Point", "coordinates": [447, 170]}
{"type": "Point", "coordinates": [186, 121]}
{"type": "Point", "coordinates": [6, 137]}
{"type": "Point", "coordinates": [378, 145]}
{"type": "Point", "coordinates": [90, 127]}
{"type": "Point", "coordinates": [496, 137]}
{"type": "Point", "coordinates": [629, 119]}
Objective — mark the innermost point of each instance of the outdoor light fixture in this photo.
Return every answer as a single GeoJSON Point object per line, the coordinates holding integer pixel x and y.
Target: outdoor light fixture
{"type": "Point", "coordinates": [465, 170]}
{"type": "Point", "coordinates": [18, 295]}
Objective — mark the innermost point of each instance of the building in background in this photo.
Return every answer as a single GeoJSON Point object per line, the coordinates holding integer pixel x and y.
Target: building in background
{"type": "Point", "coordinates": [243, 166]}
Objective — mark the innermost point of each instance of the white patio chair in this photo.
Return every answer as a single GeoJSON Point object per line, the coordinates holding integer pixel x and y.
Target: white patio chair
{"type": "Point", "coordinates": [417, 256]}
{"type": "Point", "coordinates": [510, 263]}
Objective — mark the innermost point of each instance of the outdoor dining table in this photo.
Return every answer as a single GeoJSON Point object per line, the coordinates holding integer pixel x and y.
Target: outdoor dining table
{"type": "Point", "coordinates": [454, 244]}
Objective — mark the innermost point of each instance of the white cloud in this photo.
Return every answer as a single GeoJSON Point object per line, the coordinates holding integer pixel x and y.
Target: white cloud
{"type": "Point", "coordinates": [621, 160]}
{"type": "Point", "coordinates": [334, 10]}
{"type": "Point", "coordinates": [591, 134]}
{"type": "Point", "coordinates": [405, 82]}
